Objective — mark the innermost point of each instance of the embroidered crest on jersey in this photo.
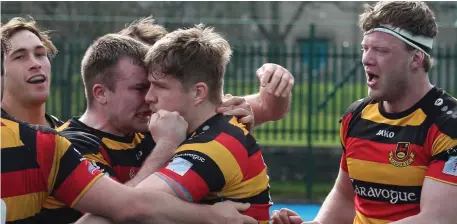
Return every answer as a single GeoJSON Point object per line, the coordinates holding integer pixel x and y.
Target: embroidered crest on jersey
{"type": "Point", "coordinates": [401, 156]}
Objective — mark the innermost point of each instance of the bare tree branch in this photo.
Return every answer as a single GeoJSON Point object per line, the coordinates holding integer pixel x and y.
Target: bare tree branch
{"type": "Point", "coordinates": [255, 17]}
{"type": "Point", "coordinates": [295, 17]}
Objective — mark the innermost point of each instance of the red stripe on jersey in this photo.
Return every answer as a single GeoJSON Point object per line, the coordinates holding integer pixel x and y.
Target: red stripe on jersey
{"type": "Point", "coordinates": [75, 183]}
{"type": "Point", "coordinates": [22, 182]}
{"type": "Point", "coordinates": [191, 181]}
{"type": "Point", "coordinates": [256, 165]}
{"type": "Point", "coordinates": [45, 149]}
{"type": "Point", "coordinates": [125, 173]}
{"type": "Point", "coordinates": [343, 163]}
{"type": "Point", "coordinates": [365, 151]}
{"type": "Point", "coordinates": [1, 124]}
{"type": "Point", "coordinates": [238, 151]}
{"type": "Point", "coordinates": [432, 135]}
{"type": "Point", "coordinates": [344, 126]}
{"type": "Point", "coordinates": [435, 171]}
{"type": "Point", "coordinates": [258, 212]}
{"type": "Point", "coordinates": [385, 210]}
{"type": "Point", "coordinates": [104, 154]}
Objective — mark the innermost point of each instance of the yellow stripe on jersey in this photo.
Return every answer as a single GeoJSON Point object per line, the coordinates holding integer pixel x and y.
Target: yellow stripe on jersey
{"type": "Point", "coordinates": [24, 206]}
{"type": "Point", "coordinates": [247, 188]}
{"type": "Point", "coordinates": [386, 173]}
{"type": "Point", "coordinates": [52, 203]}
{"type": "Point", "coordinates": [97, 158]}
{"type": "Point", "coordinates": [63, 126]}
{"type": "Point", "coordinates": [62, 145]}
{"type": "Point", "coordinates": [361, 219]}
{"type": "Point", "coordinates": [371, 113]}
{"type": "Point", "coordinates": [115, 145]}
{"type": "Point", "coordinates": [442, 143]}
{"type": "Point", "coordinates": [221, 156]}
{"type": "Point", "coordinates": [9, 138]}
{"type": "Point", "coordinates": [235, 122]}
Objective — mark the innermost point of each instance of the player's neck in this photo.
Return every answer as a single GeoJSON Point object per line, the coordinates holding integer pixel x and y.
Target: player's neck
{"type": "Point", "coordinates": [28, 112]}
{"type": "Point", "coordinates": [98, 120]}
{"type": "Point", "coordinates": [413, 94]}
{"type": "Point", "coordinates": [200, 115]}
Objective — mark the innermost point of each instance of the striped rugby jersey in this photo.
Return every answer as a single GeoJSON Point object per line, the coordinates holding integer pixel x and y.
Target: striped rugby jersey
{"type": "Point", "coordinates": [221, 161]}
{"type": "Point", "coordinates": [36, 162]}
{"type": "Point", "coordinates": [388, 156]}
{"type": "Point", "coordinates": [119, 157]}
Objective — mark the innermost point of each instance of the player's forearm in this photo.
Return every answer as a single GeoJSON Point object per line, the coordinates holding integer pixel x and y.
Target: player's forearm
{"type": "Point", "coordinates": [268, 107]}
{"type": "Point", "coordinates": [170, 209]}
{"type": "Point", "coordinates": [336, 209]}
{"type": "Point", "coordinates": [159, 157]}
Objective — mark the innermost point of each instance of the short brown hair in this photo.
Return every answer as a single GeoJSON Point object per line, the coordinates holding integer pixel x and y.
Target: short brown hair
{"type": "Point", "coordinates": [101, 58]}
{"type": "Point", "coordinates": [17, 24]}
{"type": "Point", "coordinates": [144, 30]}
{"type": "Point", "coordinates": [192, 55]}
{"type": "Point", "coordinates": [413, 16]}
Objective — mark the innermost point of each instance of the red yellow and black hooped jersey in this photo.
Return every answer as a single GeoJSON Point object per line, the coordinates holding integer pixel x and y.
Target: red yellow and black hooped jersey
{"type": "Point", "coordinates": [36, 162]}
{"type": "Point", "coordinates": [119, 157]}
{"type": "Point", "coordinates": [221, 161]}
{"type": "Point", "coordinates": [388, 156]}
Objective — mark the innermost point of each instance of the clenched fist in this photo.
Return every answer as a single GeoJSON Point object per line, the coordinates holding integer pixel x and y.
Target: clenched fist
{"type": "Point", "coordinates": [168, 127]}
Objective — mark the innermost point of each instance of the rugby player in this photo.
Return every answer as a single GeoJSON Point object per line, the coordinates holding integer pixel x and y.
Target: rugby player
{"type": "Point", "coordinates": [28, 70]}
{"type": "Point", "coordinates": [400, 143]}
{"type": "Point", "coordinates": [275, 86]}
{"type": "Point", "coordinates": [38, 162]}
{"type": "Point", "coordinates": [220, 160]}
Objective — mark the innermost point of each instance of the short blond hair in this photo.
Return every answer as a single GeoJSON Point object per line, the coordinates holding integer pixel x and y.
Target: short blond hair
{"type": "Point", "coordinates": [101, 58]}
{"type": "Point", "coordinates": [192, 55]}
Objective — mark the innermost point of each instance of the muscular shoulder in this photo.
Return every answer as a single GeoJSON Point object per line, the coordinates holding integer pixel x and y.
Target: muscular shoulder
{"type": "Point", "coordinates": [444, 114]}
{"type": "Point", "coordinates": [357, 107]}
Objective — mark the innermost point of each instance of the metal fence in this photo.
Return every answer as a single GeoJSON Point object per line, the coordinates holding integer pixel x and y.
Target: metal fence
{"type": "Point", "coordinates": [329, 77]}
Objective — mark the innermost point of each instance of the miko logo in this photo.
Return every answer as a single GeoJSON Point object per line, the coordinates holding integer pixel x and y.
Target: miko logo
{"type": "Point", "coordinates": [385, 133]}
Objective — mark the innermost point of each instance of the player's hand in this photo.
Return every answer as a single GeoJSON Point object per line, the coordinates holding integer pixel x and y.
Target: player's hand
{"type": "Point", "coordinates": [237, 106]}
{"type": "Point", "coordinates": [167, 127]}
{"type": "Point", "coordinates": [81, 140]}
{"type": "Point", "coordinates": [286, 216]}
{"type": "Point", "coordinates": [275, 79]}
{"type": "Point", "coordinates": [229, 212]}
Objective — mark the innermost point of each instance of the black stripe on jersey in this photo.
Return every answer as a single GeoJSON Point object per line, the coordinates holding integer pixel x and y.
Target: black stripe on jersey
{"type": "Point", "coordinates": [62, 215]}
{"type": "Point", "coordinates": [389, 134]}
{"type": "Point", "coordinates": [387, 193]}
{"type": "Point", "coordinates": [27, 159]}
{"type": "Point", "coordinates": [29, 220]}
{"type": "Point", "coordinates": [125, 157]}
{"type": "Point", "coordinates": [262, 198]}
{"type": "Point", "coordinates": [208, 170]}
{"type": "Point", "coordinates": [444, 155]}
{"type": "Point", "coordinates": [68, 164]}
{"type": "Point", "coordinates": [251, 145]}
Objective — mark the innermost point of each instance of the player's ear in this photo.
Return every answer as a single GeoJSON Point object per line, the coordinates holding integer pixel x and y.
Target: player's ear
{"type": "Point", "coordinates": [417, 59]}
{"type": "Point", "coordinates": [99, 93]}
{"type": "Point", "coordinates": [200, 92]}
